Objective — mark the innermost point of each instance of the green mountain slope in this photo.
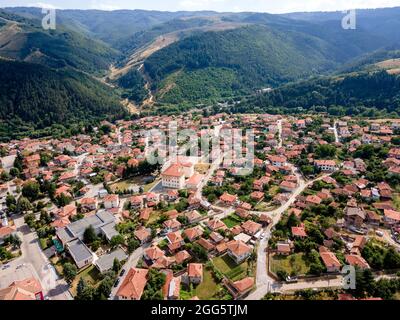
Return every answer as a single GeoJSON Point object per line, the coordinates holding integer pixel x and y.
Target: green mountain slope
{"type": "Point", "coordinates": [256, 57]}
{"type": "Point", "coordinates": [365, 94]}
{"type": "Point", "coordinates": [24, 39]}
{"type": "Point", "coordinates": [34, 97]}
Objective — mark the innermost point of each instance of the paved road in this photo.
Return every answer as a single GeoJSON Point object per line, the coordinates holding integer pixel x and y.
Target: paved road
{"type": "Point", "coordinates": [265, 283]}
{"type": "Point", "coordinates": [34, 260]}
{"type": "Point", "coordinates": [280, 133]}
{"type": "Point", "coordinates": [131, 263]}
{"type": "Point", "coordinates": [336, 132]}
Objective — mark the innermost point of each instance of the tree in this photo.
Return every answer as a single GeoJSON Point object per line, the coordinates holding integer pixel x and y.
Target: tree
{"type": "Point", "coordinates": [282, 275]}
{"type": "Point", "coordinates": [84, 291]}
{"type": "Point", "coordinates": [24, 204]}
{"type": "Point", "coordinates": [155, 282]}
{"type": "Point", "coordinates": [392, 259]}
{"type": "Point", "coordinates": [104, 289]}
{"type": "Point", "coordinates": [70, 271]}
{"type": "Point", "coordinates": [89, 236]}
{"type": "Point", "coordinates": [133, 244]}
{"type": "Point", "coordinates": [31, 190]}
{"type": "Point", "coordinates": [116, 265]}
{"type": "Point", "coordinates": [117, 240]}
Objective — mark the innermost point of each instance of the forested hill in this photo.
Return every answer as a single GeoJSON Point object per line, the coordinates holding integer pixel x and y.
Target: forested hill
{"type": "Point", "coordinates": [363, 94]}
{"type": "Point", "coordinates": [241, 60]}
{"type": "Point", "coordinates": [35, 97]}
{"type": "Point", "coordinates": [24, 39]}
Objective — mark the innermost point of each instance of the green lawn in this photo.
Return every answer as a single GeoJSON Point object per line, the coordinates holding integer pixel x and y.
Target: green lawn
{"type": "Point", "coordinates": [293, 264]}
{"type": "Point", "coordinates": [230, 269]}
{"type": "Point", "coordinates": [91, 276]}
{"type": "Point", "coordinates": [232, 220]}
{"type": "Point", "coordinates": [207, 290]}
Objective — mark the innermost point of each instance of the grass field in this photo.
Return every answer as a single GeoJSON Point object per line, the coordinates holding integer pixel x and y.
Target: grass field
{"type": "Point", "coordinates": [293, 264]}
{"type": "Point", "coordinates": [232, 220]}
{"type": "Point", "coordinates": [91, 275]}
{"type": "Point", "coordinates": [204, 291]}
{"type": "Point", "coordinates": [230, 269]}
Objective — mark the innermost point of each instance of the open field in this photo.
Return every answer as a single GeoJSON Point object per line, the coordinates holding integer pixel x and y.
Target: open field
{"type": "Point", "coordinates": [230, 269]}
{"type": "Point", "coordinates": [293, 264]}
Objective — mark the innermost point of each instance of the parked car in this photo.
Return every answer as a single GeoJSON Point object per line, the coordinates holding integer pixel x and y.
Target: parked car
{"type": "Point", "coordinates": [379, 233]}
{"type": "Point", "coordinates": [122, 272]}
{"type": "Point", "coordinates": [290, 279]}
{"type": "Point", "coordinates": [116, 283]}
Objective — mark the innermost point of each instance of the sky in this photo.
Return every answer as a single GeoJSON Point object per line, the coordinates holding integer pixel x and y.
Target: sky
{"type": "Point", "coordinates": [271, 6]}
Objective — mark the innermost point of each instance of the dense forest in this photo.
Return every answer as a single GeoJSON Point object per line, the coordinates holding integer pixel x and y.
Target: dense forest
{"type": "Point", "coordinates": [257, 56]}
{"type": "Point", "coordinates": [365, 94]}
{"type": "Point", "coordinates": [133, 83]}
{"type": "Point", "coordinates": [34, 97]}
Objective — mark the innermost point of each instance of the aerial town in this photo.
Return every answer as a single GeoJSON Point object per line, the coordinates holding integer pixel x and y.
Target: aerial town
{"type": "Point", "coordinates": [90, 218]}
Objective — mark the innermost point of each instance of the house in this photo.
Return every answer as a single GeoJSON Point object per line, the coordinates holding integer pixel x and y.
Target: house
{"type": "Point", "coordinates": [391, 218]}
{"type": "Point", "coordinates": [257, 196]}
{"type": "Point", "coordinates": [80, 253]}
{"type": "Point", "coordinates": [171, 288]}
{"type": "Point", "coordinates": [331, 262]}
{"type": "Point", "coordinates": [313, 200]}
{"type": "Point", "coordinates": [136, 202]}
{"type": "Point", "coordinates": [193, 216]}
{"type": "Point", "coordinates": [357, 261]}
{"type": "Point", "coordinates": [239, 288]}
{"type": "Point", "coordinates": [111, 201]}
{"type": "Point", "coordinates": [106, 262]}
{"type": "Point", "coordinates": [288, 186]}
{"type": "Point", "coordinates": [325, 165]}
{"type": "Point", "coordinates": [277, 161]}
{"type": "Point", "coordinates": [27, 289]}
{"type": "Point", "coordinates": [75, 230]}
{"type": "Point", "coordinates": [67, 211]}
{"type": "Point", "coordinates": [215, 224]}
{"type": "Point", "coordinates": [194, 181]}
{"type": "Point", "coordinates": [238, 250]}
{"type": "Point", "coordinates": [89, 204]}
{"type": "Point", "coordinates": [228, 199]}
{"type": "Point", "coordinates": [143, 235]}
{"type": "Point", "coordinates": [171, 225]}
{"type": "Point", "coordinates": [354, 216]}
{"type": "Point", "coordinates": [284, 248]}
{"type": "Point", "coordinates": [152, 254]}
{"type": "Point", "coordinates": [133, 285]}
{"type": "Point", "coordinates": [195, 273]}
{"type": "Point", "coordinates": [299, 232]}
{"type": "Point", "coordinates": [182, 256]}
{"type": "Point", "coordinates": [193, 233]}
{"type": "Point", "coordinates": [173, 177]}
{"type": "Point", "coordinates": [207, 245]}
{"type": "Point", "coordinates": [251, 227]}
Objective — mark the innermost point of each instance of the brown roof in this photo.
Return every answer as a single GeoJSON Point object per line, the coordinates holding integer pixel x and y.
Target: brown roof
{"type": "Point", "coordinates": [238, 247]}
{"type": "Point", "coordinates": [133, 285]}
{"type": "Point", "coordinates": [244, 285]}
{"type": "Point", "coordinates": [195, 270]}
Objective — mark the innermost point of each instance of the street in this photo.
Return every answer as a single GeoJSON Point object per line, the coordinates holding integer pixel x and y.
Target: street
{"type": "Point", "coordinates": [33, 262]}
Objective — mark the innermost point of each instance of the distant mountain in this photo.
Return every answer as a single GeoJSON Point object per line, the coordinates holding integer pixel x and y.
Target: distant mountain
{"type": "Point", "coordinates": [34, 97]}
{"type": "Point", "coordinates": [378, 22]}
{"type": "Point", "coordinates": [239, 61]}
{"type": "Point", "coordinates": [182, 59]}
